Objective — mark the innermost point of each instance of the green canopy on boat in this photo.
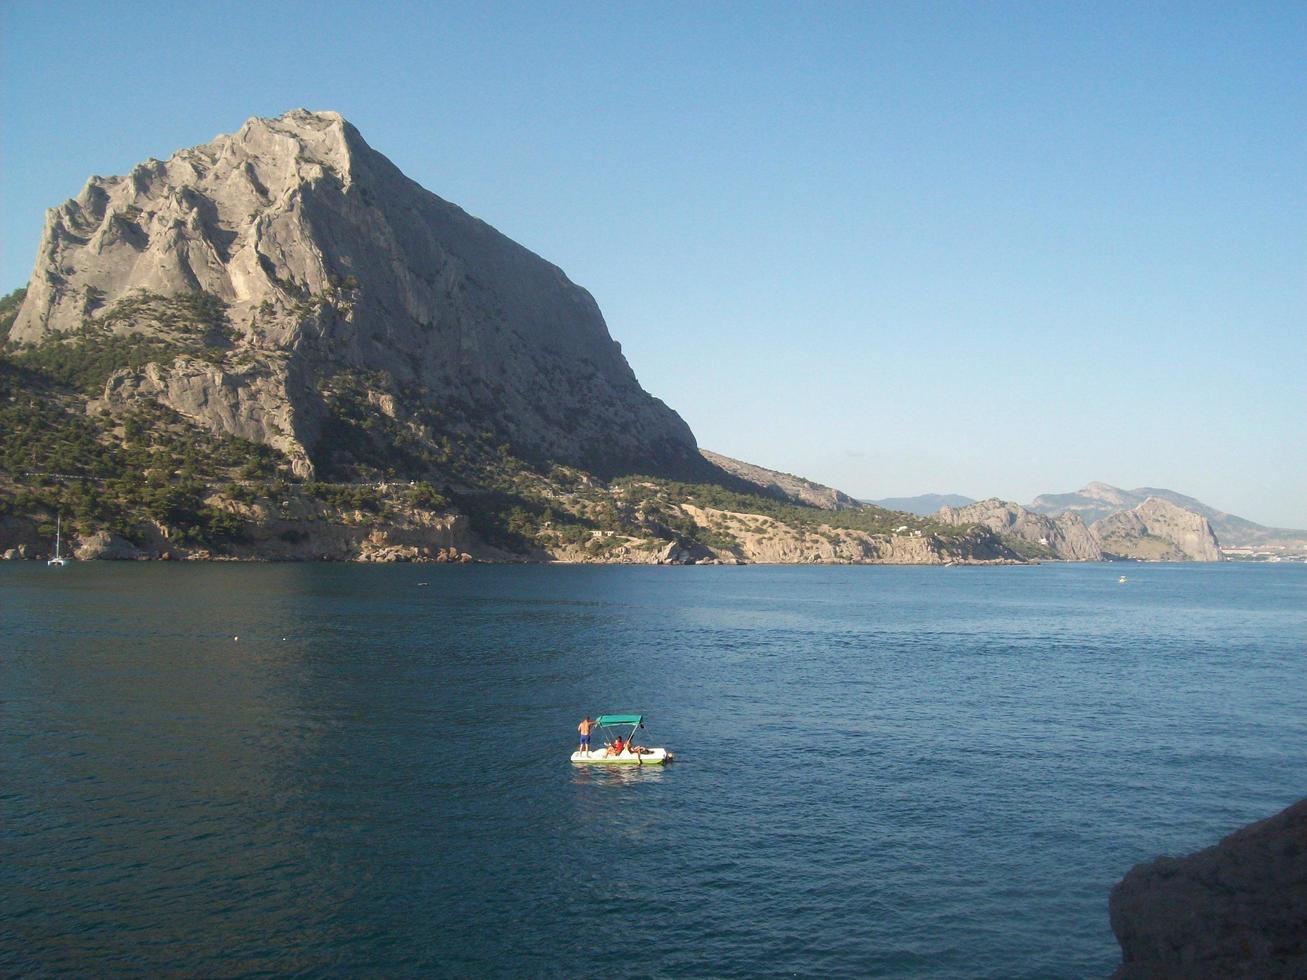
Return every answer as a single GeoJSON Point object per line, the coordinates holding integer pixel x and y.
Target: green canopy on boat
{"type": "Point", "coordinates": [605, 720]}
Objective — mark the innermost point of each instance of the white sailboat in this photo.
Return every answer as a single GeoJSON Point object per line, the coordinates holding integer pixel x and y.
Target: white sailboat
{"type": "Point", "coordinates": [59, 561]}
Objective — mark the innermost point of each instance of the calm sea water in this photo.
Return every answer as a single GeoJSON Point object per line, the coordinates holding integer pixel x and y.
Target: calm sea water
{"type": "Point", "coordinates": [881, 771]}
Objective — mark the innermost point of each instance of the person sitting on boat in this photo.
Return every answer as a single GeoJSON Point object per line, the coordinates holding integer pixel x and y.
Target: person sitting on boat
{"type": "Point", "coordinates": [584, 728]}
{"type": "Point", "coordinates": [616, 747]}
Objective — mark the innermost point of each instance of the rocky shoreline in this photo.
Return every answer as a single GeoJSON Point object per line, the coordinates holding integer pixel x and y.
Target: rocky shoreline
{"type": "Point", "coordinates": [444, 538]}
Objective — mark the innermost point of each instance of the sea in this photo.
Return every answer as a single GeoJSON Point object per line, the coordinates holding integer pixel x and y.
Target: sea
{"type": "Point", "coordinates": [340, 770]}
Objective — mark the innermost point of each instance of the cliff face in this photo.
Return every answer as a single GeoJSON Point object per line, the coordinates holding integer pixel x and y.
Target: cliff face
{"type": "Point", "coordinates": [1064, 537]}
{"type": "Point", "coordinates": [326, 270]}
{"type": "Point", "coordinates": [1238, 909]}
{"type": "Point", "coordinates": [1157, 530]}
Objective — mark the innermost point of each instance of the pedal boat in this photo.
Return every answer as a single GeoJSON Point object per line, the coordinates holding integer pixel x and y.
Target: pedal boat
{"type": "Point", "coordinates": [625, 726]}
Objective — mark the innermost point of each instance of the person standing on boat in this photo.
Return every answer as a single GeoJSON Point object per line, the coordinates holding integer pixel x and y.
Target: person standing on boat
{"type": "Point", "coordinates": [584, 728]}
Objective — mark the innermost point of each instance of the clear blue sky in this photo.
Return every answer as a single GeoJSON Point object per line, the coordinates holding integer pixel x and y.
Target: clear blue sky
{"type": "Point", "coordinates": [898, 247]}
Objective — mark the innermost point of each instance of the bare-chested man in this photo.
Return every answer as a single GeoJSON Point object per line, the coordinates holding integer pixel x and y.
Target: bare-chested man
{"type": "Point", "coordinates": [584, 728]}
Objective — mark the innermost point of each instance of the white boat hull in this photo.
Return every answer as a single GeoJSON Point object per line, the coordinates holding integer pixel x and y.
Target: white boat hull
{"type": "Point", "coordinates": [649, 757]}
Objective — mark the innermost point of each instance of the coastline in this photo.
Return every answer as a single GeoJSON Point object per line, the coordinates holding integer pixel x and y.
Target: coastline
{"type": "Point", "coordinates": [424, 537]}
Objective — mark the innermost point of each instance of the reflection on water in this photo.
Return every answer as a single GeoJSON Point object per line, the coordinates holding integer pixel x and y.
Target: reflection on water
{"type": "Point", "coordinates": [601, 775]}
{"type": "Point", "coordinates": [375, 777]}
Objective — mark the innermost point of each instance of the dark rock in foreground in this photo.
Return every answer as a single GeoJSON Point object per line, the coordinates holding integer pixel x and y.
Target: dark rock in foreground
{"type": "Point", "coordinates": [1238, 909]}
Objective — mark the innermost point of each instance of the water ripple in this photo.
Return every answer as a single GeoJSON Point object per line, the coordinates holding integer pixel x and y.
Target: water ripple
{"type": "Point", "coordinates": [899, 772]}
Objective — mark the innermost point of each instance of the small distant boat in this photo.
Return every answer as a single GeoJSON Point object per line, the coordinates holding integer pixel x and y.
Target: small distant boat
{"type": "Point", "coordinates": [623, 729]}
{"type": "Point", "coordinates": [58, 561]}
{"type": "Point", "coordinates": [1121, 580]}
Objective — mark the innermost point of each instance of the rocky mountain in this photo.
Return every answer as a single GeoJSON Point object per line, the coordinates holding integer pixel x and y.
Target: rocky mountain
{"type": "Point", "coordinates": [1035, 535]}
{"type": "Point", "coordinates": [923, 504]}
{"type": "Point", "coordinates": [784, 485]}
{"type": "Point", "coordinates": [300, 278]}
{"type": "Point", "coordinates": [277, 346]}
{"type": "Point", "coordinates": [1157, 530]}
{"type": "Point", "coordinates": [1235, 910]}
{"type": "Point", "coordinates": [1091, 503]}
{"type": "Point", "coordinates": [1099, 500]}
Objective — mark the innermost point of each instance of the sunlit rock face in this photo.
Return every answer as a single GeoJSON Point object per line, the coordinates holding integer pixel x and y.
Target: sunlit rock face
{"type": "Point", "coordinates": [1158, 530]}
{"type": "Point", "coordinates": [327, 259]}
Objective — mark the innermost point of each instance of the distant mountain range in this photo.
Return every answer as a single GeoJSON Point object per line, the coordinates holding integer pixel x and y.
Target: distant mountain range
{"type": "Point", "coordinates": [1156, 530]}
{"type": "Point", "coordinates": [923, 504]}
{"type": "Point", "coordinates": [1099, 500]}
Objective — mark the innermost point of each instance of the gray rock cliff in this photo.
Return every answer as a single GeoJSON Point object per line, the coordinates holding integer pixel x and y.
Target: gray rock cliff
{"type": "Point", "coordinates": [1157, 530]}
{"type": "Point", "coordinates": [1237, 910]}
{"type": "Point", "coordinates": [328, 263]}
{"type": "Point", "coordinates": [1063, 537]}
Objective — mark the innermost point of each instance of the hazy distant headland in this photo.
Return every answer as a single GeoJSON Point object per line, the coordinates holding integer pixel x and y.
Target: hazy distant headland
{"type": "Point", "coordinates": [1120, 528]}
{"type": "Point", "coordinates": [277, 346]}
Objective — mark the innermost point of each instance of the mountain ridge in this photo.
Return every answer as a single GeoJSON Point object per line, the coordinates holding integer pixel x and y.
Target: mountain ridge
{"type": "Point", "coordinates": [923, 504]}
{"type": "Point", "coordinates": [786, 484]}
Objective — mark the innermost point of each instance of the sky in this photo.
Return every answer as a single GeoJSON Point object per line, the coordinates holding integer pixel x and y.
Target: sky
{"type": "Point", "coordinates": [994, 249]}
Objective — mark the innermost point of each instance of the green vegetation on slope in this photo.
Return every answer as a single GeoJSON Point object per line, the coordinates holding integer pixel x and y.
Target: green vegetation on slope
{"type": "Point", "coordinates": [871, 520]}
{"type": "Point", "coordinates": [194, 324]}
{"type": "Point", "coordinates": [1029, 550]}
{"type": "Point", "coordinates": [9, 306]}
{"type": "Point", "coordinates": [117, 473]}
{"type": "Point", "coordinates": [384, 451]}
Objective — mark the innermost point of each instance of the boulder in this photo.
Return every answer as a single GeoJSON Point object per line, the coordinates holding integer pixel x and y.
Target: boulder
{"type": "Point", "coordinates": [1235, 910]}
{"type": "Point", "coordinates": [104, 545]}
{"type": "Point", "coordinates": [680, 554]}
